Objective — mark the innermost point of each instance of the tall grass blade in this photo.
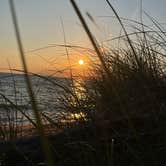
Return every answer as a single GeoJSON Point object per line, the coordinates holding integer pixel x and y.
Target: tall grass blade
{"type": "Point", "coordinates": [67, 52]}
{"type": "Point", "coordinates": [91, 38]}
{"type": "Point", "coordinates": [128, 39]}
{"type": "Point", "coordinates": [35, 109]}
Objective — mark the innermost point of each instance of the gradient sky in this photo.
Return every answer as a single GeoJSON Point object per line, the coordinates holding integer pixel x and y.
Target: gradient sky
{"type": "Point", "coordinates": [40, 26]}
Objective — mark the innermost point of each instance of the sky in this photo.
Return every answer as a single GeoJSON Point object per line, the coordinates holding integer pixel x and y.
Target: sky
{"type": "Point", "coordinates": [40, 23]}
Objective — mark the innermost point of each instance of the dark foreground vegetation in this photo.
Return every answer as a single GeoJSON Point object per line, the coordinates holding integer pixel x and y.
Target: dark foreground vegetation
{"type": "Point", "coordinates": [121, 108]}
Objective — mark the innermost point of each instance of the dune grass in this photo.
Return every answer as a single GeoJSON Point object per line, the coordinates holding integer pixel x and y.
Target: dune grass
{"type": "Point", "coordinates": [112, 115]}
{"type": "Point", "coordinates": [35, 109]}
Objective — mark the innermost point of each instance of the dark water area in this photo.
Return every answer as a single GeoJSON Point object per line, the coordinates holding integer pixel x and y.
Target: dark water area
{"type": "Point", "coordinates": [13, 87]}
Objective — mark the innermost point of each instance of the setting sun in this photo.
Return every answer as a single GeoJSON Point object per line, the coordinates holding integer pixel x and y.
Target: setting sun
{"type": "Point", "coordinates": [81, 62]}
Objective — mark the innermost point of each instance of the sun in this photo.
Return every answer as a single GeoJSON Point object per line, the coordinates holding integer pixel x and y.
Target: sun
{"type": "Point", "coordinates": [81, 62]}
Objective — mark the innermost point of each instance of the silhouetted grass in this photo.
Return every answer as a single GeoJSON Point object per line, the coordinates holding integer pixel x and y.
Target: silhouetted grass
{"type": "Point", "coordinates": [116, 116]}
{"type": "Point", "coordinates": [129, 103]}
{"type": "Point", "coordinates": [35, 109]}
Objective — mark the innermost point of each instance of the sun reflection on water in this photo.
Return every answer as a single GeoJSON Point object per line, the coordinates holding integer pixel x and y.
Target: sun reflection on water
{"type": "Point", "coordinates": [79, 96]}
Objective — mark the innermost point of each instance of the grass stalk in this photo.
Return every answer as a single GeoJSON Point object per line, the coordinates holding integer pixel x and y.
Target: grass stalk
{"type": "Point", "coordinates": [91, 37]}
{"type": "Point", "coordinates": [44, 141]}
{"type": "Point", "coordinates": [125, 32]}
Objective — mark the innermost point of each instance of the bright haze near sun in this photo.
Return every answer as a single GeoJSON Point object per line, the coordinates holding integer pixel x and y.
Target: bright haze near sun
{"type": "Point", "coordinates": [81, 62]}
{"type": "Point", "coordinates": [42, 29]}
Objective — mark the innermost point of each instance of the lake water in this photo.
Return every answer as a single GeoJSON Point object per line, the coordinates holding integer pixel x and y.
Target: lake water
{"type": "Point", "coordinates": [13, 87]}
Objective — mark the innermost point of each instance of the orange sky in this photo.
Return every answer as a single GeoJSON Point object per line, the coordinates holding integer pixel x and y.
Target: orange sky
{"type": "Point", "coordinates": [40, 26]}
